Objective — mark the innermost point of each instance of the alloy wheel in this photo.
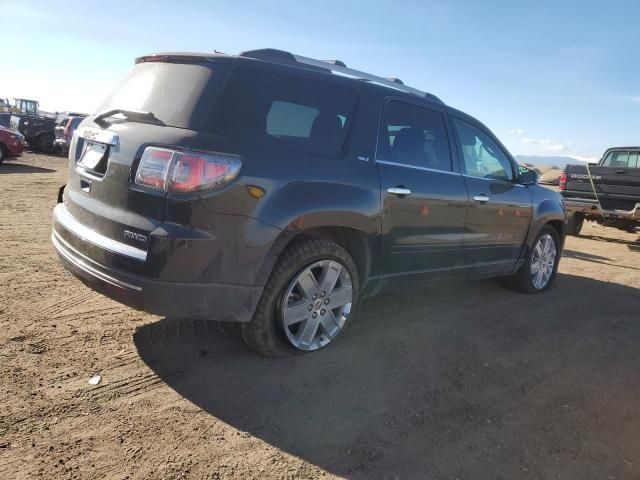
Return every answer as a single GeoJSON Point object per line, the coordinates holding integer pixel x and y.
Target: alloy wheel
{"type": "Point", "coordinates": [316, 305]}
{"type": "Point", "coordinates": [543, 261]}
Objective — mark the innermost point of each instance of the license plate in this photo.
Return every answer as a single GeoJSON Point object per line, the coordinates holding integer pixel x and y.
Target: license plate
{"type": "Point", "coordinates": [92, 155]}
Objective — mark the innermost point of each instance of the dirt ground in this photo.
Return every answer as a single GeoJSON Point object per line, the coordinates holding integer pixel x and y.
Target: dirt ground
{"type": "Point", "coordinates": [457, 381]}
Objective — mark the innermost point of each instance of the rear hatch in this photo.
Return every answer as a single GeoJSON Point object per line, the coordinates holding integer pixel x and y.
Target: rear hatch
{"type": "Point", "coordinates": [106, 149]}
{"type": "Point", "coordinates": [616, 180]}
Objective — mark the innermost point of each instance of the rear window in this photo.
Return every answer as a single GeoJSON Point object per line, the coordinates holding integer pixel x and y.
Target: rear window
{"type": "Point", "coordinates": [284, 111]}
{"type": "Point", "coordinates": [178, 94]}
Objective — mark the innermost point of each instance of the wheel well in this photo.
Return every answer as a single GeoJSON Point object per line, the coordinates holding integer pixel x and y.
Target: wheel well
{"type": "Point", "coordinates": [351, 239]}
{"type": "Point", "coordinates": [559, 227]}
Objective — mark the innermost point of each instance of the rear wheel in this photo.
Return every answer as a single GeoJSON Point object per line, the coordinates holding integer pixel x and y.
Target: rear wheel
{"type": "Point", "coordinates": [307, 302]}
{"type": "Point", "coordinates": [3, 153]}
{"type": "Point", "coordinates": [45, 142]}
{"type": "Point", "coordinates": [539, 270]}
{"type": "Point", "coordinates": [574, 224]}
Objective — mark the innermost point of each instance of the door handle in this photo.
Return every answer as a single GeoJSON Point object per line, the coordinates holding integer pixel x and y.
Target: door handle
{"type": "Point", "coordinates": [482, 198]}
{"type": "Point", "coordinates": [620, 171]}
{"type": "Point", "coordinates": [400, 191]}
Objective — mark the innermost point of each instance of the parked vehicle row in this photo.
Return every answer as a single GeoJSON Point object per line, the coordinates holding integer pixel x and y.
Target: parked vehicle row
{"type": "Point", "coordinates": [37, 127]}
{"type": "Point", "coordinates": [279, 191]}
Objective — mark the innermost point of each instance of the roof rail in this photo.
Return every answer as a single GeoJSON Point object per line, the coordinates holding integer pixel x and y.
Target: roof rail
{"type": "Point", "coordinates": [335, 67]}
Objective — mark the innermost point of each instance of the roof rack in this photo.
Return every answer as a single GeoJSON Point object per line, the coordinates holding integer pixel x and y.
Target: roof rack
{"type": "Point", "coordinates": [335, 66]}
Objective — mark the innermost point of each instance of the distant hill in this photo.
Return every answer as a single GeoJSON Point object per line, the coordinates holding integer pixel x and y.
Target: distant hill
{"type": "Point", "coordinates": [559, 162]}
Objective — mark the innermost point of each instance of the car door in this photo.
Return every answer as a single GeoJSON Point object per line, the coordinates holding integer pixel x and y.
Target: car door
{"type": "Point", "coordinates": [619, 179]}
{"type": "Point", "coordinates": [500, 209]}
{"type": "Point", "coordinates": [424, 199]}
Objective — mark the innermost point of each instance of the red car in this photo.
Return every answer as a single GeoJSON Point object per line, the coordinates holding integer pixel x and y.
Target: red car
{"type": "Point", "coordinates": [12, 144]}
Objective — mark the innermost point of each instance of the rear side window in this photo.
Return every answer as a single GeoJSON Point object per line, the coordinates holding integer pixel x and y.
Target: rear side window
{"type": "Point", "coordinates": [284, 111]}
{"type": "Point", "coordinates": [286, 119]}
{"type": "Point", "coordinates": [414, 136]}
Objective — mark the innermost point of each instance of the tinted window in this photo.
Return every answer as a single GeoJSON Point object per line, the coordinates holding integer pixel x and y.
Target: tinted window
{"type": "Point", "coordinates": [621, 159]}
{"type": "Point", "coordinates": [284, 111]}
{"type": "Point", "coordinates": [482, 156]}
{"type": "Point", "coordinates": [414, 136]}
{"type": "Point", "coordinates": [286, 119]}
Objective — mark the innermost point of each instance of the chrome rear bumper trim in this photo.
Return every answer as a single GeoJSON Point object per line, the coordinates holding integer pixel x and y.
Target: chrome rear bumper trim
{"type": "Point", "coordinates": [62, 215]}
{"type": "Point", "coordinates": [63, 249]}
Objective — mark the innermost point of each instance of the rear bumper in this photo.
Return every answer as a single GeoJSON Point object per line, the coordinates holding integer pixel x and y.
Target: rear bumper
{"type": "Point", "coordinates": [590, 207]}
{"type": "Point", "coordinates": [215, 301]}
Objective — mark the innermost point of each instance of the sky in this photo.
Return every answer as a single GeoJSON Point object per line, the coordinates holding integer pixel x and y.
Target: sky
{"type": "Point", "coordinates": [547, 77]}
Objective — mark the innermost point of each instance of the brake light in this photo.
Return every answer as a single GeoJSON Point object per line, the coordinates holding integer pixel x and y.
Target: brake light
{"type": "Point", "coordinates": [67, 129]}
{"type": "Point", "coordinates": [562, 181]}
{"type": "Point", "coordinates": [185, 172]}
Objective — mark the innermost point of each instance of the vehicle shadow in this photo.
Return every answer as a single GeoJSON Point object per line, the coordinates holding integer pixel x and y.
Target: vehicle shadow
{"type": "Point", "coordinates": [584, 256]}
{"type": "Point", "coordinates": [8, 167]}
{"type": "Point", "coordinates": [589, 257]}
{"type": "Point", "coordinates": [466, 380]}
{"type": "Point", "coordinates": [631, 244]}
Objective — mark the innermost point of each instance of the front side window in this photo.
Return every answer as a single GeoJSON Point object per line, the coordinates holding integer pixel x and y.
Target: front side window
{"type": "Point", "coordinates": [285, 111]}
{"type": "Point", "coordinates": [414, 136]}
{"type": "Point", "coordinates": [482, 156]}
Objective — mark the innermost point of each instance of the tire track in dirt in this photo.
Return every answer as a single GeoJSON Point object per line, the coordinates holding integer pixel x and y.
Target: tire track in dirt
{"type": "Point", "coordinates": [66, 304]}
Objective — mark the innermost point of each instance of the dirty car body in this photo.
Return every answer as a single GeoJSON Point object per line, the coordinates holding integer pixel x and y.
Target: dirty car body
{"type": "Point", "coordinates": [290, 151]}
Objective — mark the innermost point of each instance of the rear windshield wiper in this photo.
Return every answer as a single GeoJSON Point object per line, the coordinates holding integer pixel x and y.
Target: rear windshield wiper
{"type": "Point", "coordinates": [138, 116]}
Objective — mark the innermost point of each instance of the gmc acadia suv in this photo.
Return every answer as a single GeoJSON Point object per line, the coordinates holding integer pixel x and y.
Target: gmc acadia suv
{"type": "Point", "coordinates": [279, 191]}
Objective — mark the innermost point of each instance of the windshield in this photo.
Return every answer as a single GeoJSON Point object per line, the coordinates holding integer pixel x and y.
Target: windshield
{"type": "Point", "coordinates": [178, 94]}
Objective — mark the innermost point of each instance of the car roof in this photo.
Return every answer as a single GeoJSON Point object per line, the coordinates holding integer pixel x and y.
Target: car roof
{"type": "Point", "coordinates": [621, 148]}
{"type": "Point", "coordinates": [279, 59]}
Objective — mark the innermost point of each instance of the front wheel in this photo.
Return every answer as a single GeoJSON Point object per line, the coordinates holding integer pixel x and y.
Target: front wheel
{"type": "Point", "coordinates": [307, 302]}
{"type": "Point", "coordinates": [3, 153]}
{"type": "Point", "coordinates": [539, 269]}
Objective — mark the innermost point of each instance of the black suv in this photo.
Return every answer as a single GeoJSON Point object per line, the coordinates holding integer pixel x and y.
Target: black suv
{"type": "Point", "coordinates": [279, 191]}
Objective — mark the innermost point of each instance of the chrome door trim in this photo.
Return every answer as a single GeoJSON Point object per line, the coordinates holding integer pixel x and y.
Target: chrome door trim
{"type": "Point", "coordinates": [415, 167]}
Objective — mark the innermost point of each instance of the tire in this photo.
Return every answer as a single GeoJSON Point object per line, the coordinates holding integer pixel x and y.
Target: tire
{"type": "Point", "coordinates": [523, 280]}
{"type": "Point", "coordinates": [3, 153]}
{"type": "Point", "coordinates": [267, 332]}
{"type": "Point", "coordinates": [45, 142]}
{"type": "Point", "coordinates": [574, 224]}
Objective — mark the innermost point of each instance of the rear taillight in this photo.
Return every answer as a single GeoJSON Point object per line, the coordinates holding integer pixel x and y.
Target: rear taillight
{"type": "Point", "coordinates": [67, 129]}
{"type": "Point", "coordinates": [185, 172]}
{"type": "Point", "coordinates": [562, 181]}
{"type": "Point", "coordinates": [153, 170]}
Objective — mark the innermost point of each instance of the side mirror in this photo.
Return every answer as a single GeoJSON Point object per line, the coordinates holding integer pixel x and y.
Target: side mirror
{"type": "Point", "coordinates": [527, 176]}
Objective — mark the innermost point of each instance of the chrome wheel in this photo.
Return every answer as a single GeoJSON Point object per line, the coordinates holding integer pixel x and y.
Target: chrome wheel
{"type": "Point", "coordinates": [543, 260]}
{"type": "Point", "coordinates": [316, 305]}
